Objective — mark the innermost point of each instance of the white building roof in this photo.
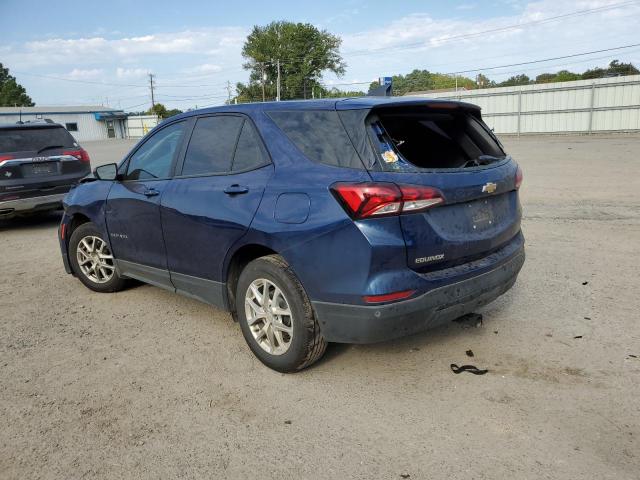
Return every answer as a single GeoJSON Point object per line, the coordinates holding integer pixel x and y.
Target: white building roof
{"type": "Point", "coordinates": [59, 109]}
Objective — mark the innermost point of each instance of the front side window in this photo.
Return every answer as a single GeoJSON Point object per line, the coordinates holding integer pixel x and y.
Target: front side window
{"type": "Point", "coordinates": [212, 144]}
{"type": "Point", "coordinates": [155, 157]}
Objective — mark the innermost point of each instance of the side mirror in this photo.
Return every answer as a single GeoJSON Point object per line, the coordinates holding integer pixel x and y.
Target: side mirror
{"type": "Point", "coordinates": [106, 172]}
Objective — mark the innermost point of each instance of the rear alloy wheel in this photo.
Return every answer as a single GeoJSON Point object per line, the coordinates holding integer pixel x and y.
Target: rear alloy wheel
{"type": "Point", "coordinates": [276, 317]}
{"type": "Point", "coordinates": [268, 316]}
{"type": "Point", "coordinates": [92, 261]}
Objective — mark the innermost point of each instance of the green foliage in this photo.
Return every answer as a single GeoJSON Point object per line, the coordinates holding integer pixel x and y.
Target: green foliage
{"type": "Point", "coordinates": [11, 92]}
{"type": "Point", "coordinates": [615, 68]}
{"type": "Point", "coordinates": [521, 79]}
{"type": "Point", "coordinates": [421, 80]}
{"type": "Point", "coordinates": [158, 109]}
{"type": "Point", "coordinates": [335, 93]}
{"type": "Point", "coordinates": [172, 112]}
{"type": "Point", "coordinates": [304, 53]}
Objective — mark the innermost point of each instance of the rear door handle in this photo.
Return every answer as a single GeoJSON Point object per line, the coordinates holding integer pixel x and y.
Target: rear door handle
{"type": "Point", "coordinates": [151, 192]}
{"type": "Point", "coordinates": [236, 189]}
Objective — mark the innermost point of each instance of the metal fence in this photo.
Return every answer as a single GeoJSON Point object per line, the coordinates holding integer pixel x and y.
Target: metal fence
{"type": "Point", "coordinates": [583, 106]}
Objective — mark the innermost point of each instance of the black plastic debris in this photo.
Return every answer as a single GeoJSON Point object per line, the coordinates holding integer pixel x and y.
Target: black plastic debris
{"type": "Point", "coordinates": [470, 319]}
{"type": "Point", "coordinates": [585, 283]}
{"type": "Point", "coordinates": [587, 318]}
{"type": "Point", "coordinates": [469, 353]}
{"type": "Point", "coordinates": [495, 331]}
{"type": "Point", "coordinates": [287, 422]}
{"type": "Point", "coordinates": [467, 368]}
{"type": "Point", "coordinates": [578, 336]}
{"type": "Point", "coordinates": [633, 356]}
{"type": "Point", "coordinates": [405, 475]}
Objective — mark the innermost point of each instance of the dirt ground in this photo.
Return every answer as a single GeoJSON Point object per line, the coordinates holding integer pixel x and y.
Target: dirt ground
{"type": "Point", "coordinates": [148, 384]}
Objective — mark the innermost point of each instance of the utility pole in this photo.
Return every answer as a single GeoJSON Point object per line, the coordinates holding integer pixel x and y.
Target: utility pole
{"type": "Point", "coordinates": [228, 92]}
{"type": "Point", "coordinates": [153, 100]}
{"type": "Point", "coordinates": [263, 78]}
{"type": "Point", "coordinates": [278, 83]}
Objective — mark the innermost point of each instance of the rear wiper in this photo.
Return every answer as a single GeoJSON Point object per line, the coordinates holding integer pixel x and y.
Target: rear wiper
{"type": "Point", "coordinates": [49, 148]}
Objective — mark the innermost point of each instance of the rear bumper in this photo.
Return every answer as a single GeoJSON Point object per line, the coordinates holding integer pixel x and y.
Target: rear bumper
{"type": "Point", "coordinates": [369, 324]}
{"type": "Point", "coordinates": [43, 202]}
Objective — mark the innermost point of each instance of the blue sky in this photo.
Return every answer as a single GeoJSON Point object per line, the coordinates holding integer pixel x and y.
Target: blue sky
{"type": "Point", "coordinates": [101, 52]}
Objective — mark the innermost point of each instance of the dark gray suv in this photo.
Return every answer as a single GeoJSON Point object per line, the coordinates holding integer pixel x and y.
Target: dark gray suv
{"type": "Point", "coordinates": [39, 163]}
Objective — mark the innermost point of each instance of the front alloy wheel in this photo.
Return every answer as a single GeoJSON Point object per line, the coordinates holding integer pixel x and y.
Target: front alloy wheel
{"type": "Point", "coordinates": [92, 261]}
{"type": "Point", "coordinates": [95, 259]}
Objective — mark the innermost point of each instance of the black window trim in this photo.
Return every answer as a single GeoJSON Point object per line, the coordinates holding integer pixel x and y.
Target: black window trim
{"type": "Point", "coordinates": [245, 118]}
{"type": "Point", "coordinates": [188, 126]}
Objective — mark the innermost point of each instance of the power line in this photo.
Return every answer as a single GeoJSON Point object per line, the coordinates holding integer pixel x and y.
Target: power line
{"type": "Point", "coordinates": [496, 30]}
{"type": "Point", "coordinates": [78, 81]}
{"type": "Point", "coordinates": [543, 60]}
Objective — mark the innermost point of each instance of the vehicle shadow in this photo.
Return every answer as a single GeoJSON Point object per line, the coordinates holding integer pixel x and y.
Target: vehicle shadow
{"type": "Point", "coordinates": [35, 220]}
{"type": "Point", "coordinates": [466, 326]}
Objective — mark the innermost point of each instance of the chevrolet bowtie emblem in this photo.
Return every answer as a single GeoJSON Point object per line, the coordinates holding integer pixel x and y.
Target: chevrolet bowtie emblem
{"type": "Point", "coordinates": [489, 187]}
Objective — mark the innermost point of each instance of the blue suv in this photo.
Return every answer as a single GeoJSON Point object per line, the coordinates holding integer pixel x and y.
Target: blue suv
{"type": "Point", "coordinates": [354, 220]}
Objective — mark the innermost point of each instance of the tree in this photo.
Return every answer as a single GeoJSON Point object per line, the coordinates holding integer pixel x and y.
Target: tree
{"type": "Point", "coordinates": [521, 79]}
{"type": "Point", "coordinates": [483, 81]}
{"type": "Point", "coordinates": [11, 92]}
{"type": "Point", "coordinates": [158, 109]}
{"type": "Point", "coordinates": [172, 112]}
{"type": "Point", "coordinates": [304, 53]}
{"type": "Point", "coordinates": [615, 68]}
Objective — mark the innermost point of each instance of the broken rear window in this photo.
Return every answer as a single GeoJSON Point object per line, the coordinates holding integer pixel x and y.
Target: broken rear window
{"type": "Point", "coordinates": [432, 139]}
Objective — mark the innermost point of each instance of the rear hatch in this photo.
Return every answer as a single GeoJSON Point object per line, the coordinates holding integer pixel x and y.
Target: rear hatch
{"type": "Point", "coordinates": [446, 146]}
{"type": "Point", "coordinates": [38, 160]}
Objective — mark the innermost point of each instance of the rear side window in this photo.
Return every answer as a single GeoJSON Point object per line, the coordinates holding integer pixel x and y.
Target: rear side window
{"type": "Point", "coordinates": [250, 152]}
{"type": "Point", "coordinates": [212, 145]}
{"type": "Point", "coordinates": [34, 139]}
{"type": "Point", "coordinates": [320, 136]}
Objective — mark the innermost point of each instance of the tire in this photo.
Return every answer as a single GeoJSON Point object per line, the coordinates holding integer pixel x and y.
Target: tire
{"type": "Point", "coordinates": [305, 344]}
{"type": "Point", "coordinates": [105, 279]}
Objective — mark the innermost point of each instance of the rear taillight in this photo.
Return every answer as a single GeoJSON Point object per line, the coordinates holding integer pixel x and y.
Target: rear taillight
{"type": "Point", "coordinates": [518, 177]}
{"type": "Point", "coordinates": [4, 158]}
{"type": "Point", "coordinates": [80, 154]}
{"type": "Point", "coordinates": [363, 200]}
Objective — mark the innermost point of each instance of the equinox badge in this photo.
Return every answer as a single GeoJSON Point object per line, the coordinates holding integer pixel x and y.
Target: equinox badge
{"type": "Point", "coordinates": [489, 187]}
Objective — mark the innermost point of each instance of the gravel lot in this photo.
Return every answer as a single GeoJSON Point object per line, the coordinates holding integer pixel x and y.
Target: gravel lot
{"type": "Point", "coordinates": [148, 384]}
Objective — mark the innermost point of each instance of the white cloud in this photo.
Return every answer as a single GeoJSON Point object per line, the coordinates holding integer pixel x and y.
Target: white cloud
{"type": "Point", "coordinates": [89, 74]}
{"type": "Point", "coordinates": [98, 49]}
{"type": "Point", "coordinates": [131, 72]}
{"type": "Point", "coordinates": [204, 68]}
{"type": "Point", "coordinates": [420, 41]}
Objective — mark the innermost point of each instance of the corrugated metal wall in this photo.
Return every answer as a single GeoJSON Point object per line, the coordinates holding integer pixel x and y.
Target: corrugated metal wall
{"type": "Point", "coordinates": [139, 125]}
{"type": "Point", "coordinates": [88, 127]}
{"type": "Point", "coordinates": [583, 106]}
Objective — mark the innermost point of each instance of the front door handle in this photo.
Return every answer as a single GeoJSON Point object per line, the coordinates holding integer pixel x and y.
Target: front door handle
{"type": "Point", "coordinates": [151, 192]}
{"type": "Point", "coordinates": [236, 189]}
